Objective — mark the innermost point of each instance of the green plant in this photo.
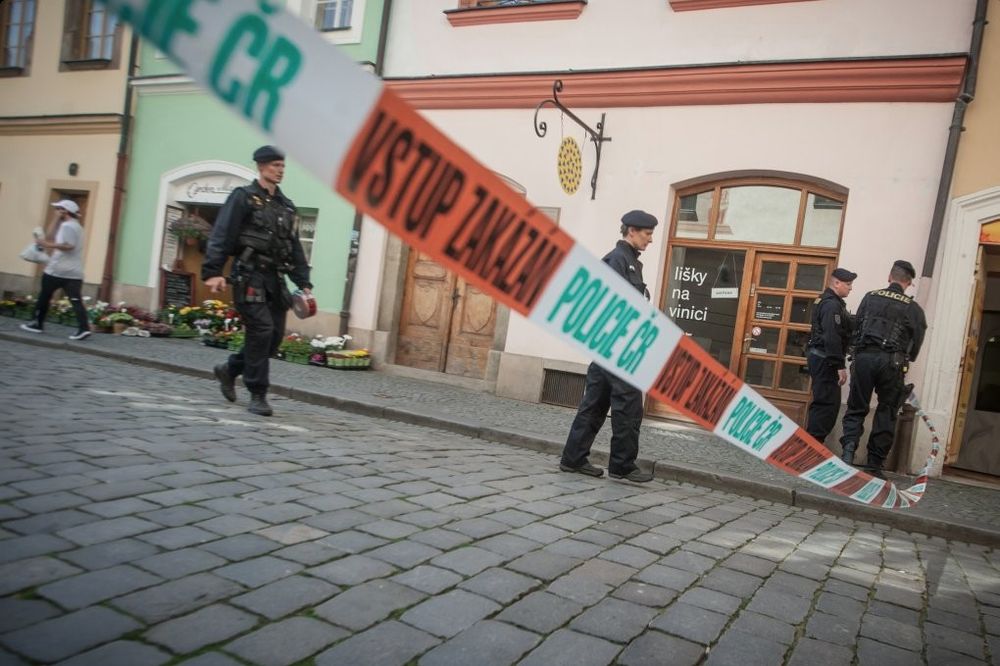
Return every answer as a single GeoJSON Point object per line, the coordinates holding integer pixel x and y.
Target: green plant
{"type": "Point", "coordinates": [190, 226]}
{"type": "Point", "coordinates": [120, 318]}
{"type": "Point", "coordinates": [295, 345]}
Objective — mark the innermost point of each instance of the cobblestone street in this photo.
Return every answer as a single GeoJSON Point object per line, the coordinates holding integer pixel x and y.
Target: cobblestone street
{"type": "Point", "coordinates": [145, 521]}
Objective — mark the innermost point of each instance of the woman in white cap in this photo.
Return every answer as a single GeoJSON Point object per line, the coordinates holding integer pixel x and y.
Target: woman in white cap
{"type": "Point", "coordinates": [64, 270]}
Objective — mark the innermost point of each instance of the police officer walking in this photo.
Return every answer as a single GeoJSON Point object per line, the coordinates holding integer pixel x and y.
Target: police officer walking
{"type": "Point", "coordinates": [828, 342]}
{"type": "Point", "coordinates": [256, 226]}
{"type": "Point", "coordinates": [890, 330]}
{"type": "Point", "coordinates": [603, 389]}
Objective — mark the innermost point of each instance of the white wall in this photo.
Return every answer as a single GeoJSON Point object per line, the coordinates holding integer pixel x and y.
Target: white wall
{"type": "Point", "coordinates": [649, 33]}
{"type": "Point", "coordinates": [888, 156]}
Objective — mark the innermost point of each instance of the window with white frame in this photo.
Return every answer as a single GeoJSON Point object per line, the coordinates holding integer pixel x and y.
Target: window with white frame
{"type": "Point", "coordinates": [17, 21]}
{"type": "Point", "coordinates": [307, 230]}
{"type": "Point", "coordinates": [333, 14]}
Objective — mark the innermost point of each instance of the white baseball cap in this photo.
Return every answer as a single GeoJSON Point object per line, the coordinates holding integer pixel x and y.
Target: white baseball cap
{"type": "Point", "coordinates": [68, 206]}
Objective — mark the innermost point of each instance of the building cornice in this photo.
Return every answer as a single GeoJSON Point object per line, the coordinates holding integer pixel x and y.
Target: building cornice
{"type": "Point", "coordinates": [916, 79]}
{"type": "Point", "coordinates": [695, 5]}
{"type": "Point", "coordinates": [164, 84]}
{"type": "Point", "coordinates": [548, 11]}
{"type": "Point", "coordinates": [84, 123]}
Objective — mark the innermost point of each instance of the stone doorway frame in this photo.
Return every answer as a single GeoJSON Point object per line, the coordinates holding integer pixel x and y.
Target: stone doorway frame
{"type": "Point", "coordinates": [948, 319]}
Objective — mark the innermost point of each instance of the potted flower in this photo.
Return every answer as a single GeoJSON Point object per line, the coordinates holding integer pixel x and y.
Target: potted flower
{"type": "Point", "coordinates": [294, 349]}
{"type": "Point", "coordinates": [349, 359]}
{"type": "Point", "coordinates": [120, 321]}
{"type": "Point", "coordinates": [191, 229]}
{"type": "Point", "coordinates": [157, 329]}
{"type": "Point", "coordinates": [236, 341]}
{"type": "Point", "coordinates": [183, 331]}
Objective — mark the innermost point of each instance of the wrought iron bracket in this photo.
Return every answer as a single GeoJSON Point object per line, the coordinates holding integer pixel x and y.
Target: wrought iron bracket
{"type": "Point", "coordinates": [596, 136]}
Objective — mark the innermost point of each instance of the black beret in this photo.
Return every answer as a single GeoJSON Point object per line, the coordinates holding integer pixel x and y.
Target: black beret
{"type": "Point", "coordinates": [906, 266]}
{"type": "Point", "coordinates": [639, 219]}
{"type": "Point", "coordinates": [844, 275]}
{"type": "Point", "coordinates": [267, 154]}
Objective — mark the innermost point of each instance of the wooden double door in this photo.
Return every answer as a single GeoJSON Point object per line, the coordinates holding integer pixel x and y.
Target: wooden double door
{"type": "Point", "coordinates": [752, 311]}
{"type": "Point", "coordinates": [446, 324]}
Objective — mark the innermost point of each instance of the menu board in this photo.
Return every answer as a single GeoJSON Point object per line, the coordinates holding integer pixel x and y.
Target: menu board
{"type": "Point", "coordinates": [178, 289]}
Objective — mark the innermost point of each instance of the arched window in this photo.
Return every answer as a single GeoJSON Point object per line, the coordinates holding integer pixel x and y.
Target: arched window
{"type": "Point", "coordinates": [747, 256]}
{"type": "Point", "coordinates": [760, 211]}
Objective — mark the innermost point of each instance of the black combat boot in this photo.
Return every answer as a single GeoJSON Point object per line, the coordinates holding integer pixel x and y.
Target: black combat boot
{"type": "Point", "coordinates": [636, 475]}
{"type": "Point", "coordinates": [874, 467]}
{"type": "Point", "coordinates": [258, 405]}
{"type": "Point", "coordinates": [848, 454]}
{"type": "Point", "coordinates": [226, 382]}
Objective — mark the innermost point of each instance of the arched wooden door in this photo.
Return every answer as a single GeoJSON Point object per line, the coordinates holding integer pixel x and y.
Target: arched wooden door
{"type": "Point", "coordinates": [446, 325]}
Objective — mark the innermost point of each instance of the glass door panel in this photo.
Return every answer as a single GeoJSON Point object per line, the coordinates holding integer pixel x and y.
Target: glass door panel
{"type": "Point", "coordinates": [703, 296]}
{"type": "Point", "coordinates": [777, 326]}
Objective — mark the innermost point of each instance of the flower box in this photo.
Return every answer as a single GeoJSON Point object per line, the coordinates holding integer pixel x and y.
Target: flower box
{"type": "Point", "coordinates": [184, 333]}
{"type": "Point", "coordinates": [348, 363]}
{"type": "Point", "coordinates": [301, 359]}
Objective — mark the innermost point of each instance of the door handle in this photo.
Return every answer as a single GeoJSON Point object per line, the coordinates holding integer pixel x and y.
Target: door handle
{"type": "Point", "coordinates": [746, 343]}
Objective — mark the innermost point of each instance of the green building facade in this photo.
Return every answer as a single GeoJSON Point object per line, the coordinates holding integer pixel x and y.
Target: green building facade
{"type": "Point", "coordinates": [188, 153]}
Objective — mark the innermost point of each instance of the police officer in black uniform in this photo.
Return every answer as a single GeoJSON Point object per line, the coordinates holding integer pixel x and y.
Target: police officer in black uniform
{"type": "Point", "coordinates": [256, 226]}
{"type": "Point", "coordinates": [603, 389]}
{"type": "Point", "coordinates": [828, 343]}
{"type": "Point", "coordinates": [889, 331]}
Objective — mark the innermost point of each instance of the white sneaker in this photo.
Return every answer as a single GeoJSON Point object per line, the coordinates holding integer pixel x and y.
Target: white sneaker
{"type": "Point", "coordinates": [80, 335]}
{"type": "Point", "coordinates": [31, 327]}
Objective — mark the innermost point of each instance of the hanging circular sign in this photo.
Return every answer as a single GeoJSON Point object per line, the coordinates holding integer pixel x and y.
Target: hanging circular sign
{"type": "Point", "coordinates": [570, 165]}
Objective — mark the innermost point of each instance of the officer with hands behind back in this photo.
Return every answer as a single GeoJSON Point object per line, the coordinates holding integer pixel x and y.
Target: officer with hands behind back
{"type": "Point", "coordinates": [828, 342]}
{"type": "Point", "coordinates": [604, 390]}
{"type": "Point", "coordinates": [890, 330]}
{"type": "Point", "coordinates": [256, 226]}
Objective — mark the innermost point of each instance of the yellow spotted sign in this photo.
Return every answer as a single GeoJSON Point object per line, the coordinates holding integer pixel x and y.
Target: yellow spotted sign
{"type": "Point", "coordinates": [570, 165]}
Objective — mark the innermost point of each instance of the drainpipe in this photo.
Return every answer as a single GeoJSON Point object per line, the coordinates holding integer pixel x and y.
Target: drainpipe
{"type": "Point", "coordinates": [954, 135]}
{"type": "Point", "coordinates": [352, 259]}
{"type": "Point", "coordinates": [121, 168]}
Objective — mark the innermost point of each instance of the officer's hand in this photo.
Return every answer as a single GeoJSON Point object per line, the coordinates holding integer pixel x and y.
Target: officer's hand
{"type": "Point", "coordinates": [841, 376]}
{"type": "Point", "coordinates": [216, 284]}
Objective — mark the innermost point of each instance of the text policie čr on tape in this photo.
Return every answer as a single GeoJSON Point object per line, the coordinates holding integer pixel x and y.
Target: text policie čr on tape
{"type": "Point", "coordinates": [377, 152]}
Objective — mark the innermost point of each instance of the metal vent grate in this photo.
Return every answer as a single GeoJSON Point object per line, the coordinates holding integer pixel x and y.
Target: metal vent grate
{"type": "Point", "coordinates": [563, 388]}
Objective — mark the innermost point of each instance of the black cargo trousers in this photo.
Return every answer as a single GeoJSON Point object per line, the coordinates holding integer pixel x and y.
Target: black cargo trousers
{"type": "Point", "coordinates": [263, 312]}
{"type": "Point", "coordinates": [881, 372]}
{"type": "Point", "coordinates": [603, 391]}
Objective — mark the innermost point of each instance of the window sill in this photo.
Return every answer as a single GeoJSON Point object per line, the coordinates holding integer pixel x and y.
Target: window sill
{"type": "Point", "coordinates": [10, 72]}
{"type": "Point", "coordinates": [695, 5]}
{"type": "Point", "coordinates": [343, 28]}
{"type": "Point", "coordinates": [557, 10]}
{"type": "Point", "coordinates": [91, 63]}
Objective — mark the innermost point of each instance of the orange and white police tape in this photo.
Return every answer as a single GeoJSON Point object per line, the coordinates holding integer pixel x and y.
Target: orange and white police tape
{"type": "Point", "coordinates": [377, 152]}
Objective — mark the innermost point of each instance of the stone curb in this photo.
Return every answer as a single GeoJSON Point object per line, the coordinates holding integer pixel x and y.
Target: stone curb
{"type": "Point", "coordinates": [801, 498]}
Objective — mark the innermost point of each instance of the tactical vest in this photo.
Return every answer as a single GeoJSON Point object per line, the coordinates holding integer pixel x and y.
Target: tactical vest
{"type": "Point", "coordinates": [816, 341]}
{"type": "Point", "coordinates": [884, 325]}
{"type": "Point", "coordinates": [267, 238]}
